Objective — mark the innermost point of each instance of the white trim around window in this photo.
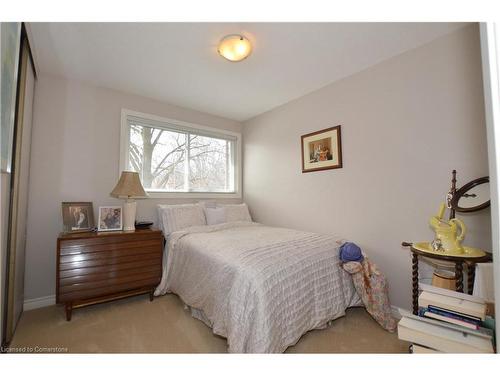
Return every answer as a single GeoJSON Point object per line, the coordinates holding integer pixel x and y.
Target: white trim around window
{"type": "Point", "coordinates": [171, 123]}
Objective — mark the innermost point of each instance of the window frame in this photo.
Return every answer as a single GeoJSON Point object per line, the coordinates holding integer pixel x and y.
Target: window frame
{"type": "Point", "coordinates": [172, 123]}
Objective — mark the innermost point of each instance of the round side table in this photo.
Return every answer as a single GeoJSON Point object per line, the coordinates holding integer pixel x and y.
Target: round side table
{"type": "Point", "coordinates": [469, 262]}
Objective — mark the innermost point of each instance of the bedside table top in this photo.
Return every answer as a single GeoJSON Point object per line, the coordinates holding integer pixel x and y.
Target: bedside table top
{"type": "Point", "coordinates": [109, 234]}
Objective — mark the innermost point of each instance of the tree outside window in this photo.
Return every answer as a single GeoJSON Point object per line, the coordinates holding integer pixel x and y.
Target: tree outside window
{"type": "Point", "coordinates": [169, 160]}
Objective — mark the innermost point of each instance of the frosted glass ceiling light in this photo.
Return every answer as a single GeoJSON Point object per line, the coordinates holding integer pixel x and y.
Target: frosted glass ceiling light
{"type": "Point", "coordinates": [234, 47]}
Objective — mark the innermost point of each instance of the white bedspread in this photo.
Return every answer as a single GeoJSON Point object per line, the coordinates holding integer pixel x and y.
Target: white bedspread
{"type": "Point", "coordinates": [260, 287]}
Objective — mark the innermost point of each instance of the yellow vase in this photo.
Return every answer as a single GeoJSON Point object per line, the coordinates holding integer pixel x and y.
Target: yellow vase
{"type": "Point", "coordinates": [449, 234]}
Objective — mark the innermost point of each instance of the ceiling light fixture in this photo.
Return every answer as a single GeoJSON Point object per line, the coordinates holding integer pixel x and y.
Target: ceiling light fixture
{"type": "Point", "coordinates": [234, 47]}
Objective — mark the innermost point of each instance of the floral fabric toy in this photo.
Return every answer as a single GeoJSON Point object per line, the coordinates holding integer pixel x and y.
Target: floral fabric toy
{"type": "Point", "coordinates": [373, 289]}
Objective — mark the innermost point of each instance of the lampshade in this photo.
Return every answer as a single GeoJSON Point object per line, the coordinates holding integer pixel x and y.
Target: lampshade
{"type": "Point", "coordinates": [129, 186]}
{"type": "Point", "coordinates": [234, 47]}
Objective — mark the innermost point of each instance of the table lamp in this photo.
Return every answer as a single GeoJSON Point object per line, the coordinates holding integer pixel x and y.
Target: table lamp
{"type": "Point", "coordinates": [129, 187]}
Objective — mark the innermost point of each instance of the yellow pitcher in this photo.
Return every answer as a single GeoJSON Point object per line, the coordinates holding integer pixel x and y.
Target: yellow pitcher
{"type": "Point", "coordinates": [448, 240]}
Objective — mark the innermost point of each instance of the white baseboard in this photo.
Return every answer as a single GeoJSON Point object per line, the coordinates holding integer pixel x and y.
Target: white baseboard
{"type": "Point", "coordinates": [36, 303]}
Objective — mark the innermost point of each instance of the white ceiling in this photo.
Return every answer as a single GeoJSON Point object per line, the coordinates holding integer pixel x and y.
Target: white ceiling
{"type": "Point", "coordinates": [178, 62]}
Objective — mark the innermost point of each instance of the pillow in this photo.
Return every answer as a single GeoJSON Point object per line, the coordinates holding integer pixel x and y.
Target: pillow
{"type": "Point", "coordinates": [180, 216]}
{"type": "Point", "coordinates": [160, 208]}
{"type": "Point", "coordinates": [237, 212]}
{"type": "Point", "coordinates": [208, 204]}
{"type": "Point", "coordinates": [215, 215]}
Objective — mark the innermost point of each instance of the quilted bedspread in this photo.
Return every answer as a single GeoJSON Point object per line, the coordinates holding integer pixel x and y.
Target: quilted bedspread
{"type": "Point", "coordinates": [260, 287]}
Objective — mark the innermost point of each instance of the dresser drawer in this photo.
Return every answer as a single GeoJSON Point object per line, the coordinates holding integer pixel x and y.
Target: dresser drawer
{"type": "Point", "coordinates": [112, 254]}
{"type": "Point", "coordinates": [79, 247]}
{"type": "Point", "coordinates": [108, 274]}
{"type": "Point", "coordinates": [108, 261]}
{"type": "Point", "coordinates": [80, 295]}
{"type": "Point", "coordinates": [110, 268]}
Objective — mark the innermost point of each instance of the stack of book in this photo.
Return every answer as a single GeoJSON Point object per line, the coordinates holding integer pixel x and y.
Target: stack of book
{"type": "Point", "coordinates": [448, 322]}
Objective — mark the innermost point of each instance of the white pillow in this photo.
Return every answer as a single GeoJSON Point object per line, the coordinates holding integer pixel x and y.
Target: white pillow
{"type": "Point", "coordinates": [208, 203]}
{"type": "Point", "coordinates": [180, 216]}
{"type": "Point", "coordinates": [215, 215]}
{"type": "Point", "coordinates": [159, 208]}
{"type": "Point", "coordinates": [237, 212]}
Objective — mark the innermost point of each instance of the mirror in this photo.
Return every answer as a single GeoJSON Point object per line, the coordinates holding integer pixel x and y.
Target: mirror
{"type": "Point", "coordinates": [473, 196]}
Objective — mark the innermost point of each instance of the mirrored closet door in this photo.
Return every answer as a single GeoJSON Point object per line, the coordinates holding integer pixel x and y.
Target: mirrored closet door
{"type": "Point", "coordinates": [19, 182]}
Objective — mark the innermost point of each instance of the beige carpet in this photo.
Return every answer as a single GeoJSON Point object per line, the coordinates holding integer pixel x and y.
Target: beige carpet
{"type": "Point", "coordinates": [135, 325]}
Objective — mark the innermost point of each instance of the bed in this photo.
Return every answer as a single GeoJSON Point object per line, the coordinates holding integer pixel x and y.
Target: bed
{"type": "Point", "coordinates": [260, 287]}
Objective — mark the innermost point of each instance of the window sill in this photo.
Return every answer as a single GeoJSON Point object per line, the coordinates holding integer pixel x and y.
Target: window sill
{"type": "Point", "coordinates": [197, 195]}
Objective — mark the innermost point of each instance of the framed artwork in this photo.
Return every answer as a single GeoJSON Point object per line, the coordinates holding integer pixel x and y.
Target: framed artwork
{"type": "Point", "coordinates": [321, 150]}
{"type": "Point", "coordinates": [110, 218]}
{"type": "Point", "coordinates": [78, 216]}
{"type": "Point", "coordinates": [10, 47]}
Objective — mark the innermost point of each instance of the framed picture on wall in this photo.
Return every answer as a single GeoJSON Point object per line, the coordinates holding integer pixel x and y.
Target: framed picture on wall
{"type": "Point", "coordinates": [110, 218]}
{"type": "Point", "coordinates": [78, 216]}
{"type": "Point", "coordinates": [321, 150]}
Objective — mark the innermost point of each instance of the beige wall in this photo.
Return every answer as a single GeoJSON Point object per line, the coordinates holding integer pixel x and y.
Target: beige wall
{"type": "Point", "coordinates": [406, 123]}
{"type": "Point", "coordinates": [75, 154]}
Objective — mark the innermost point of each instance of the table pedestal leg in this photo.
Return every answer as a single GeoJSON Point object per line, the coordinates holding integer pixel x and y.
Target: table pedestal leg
{"type": "Point", "coordinates": [471, 273]}
{"type": "Point", "coordinates": [459, 276]}
{"type": "Point", "coordinates": [414, 280]}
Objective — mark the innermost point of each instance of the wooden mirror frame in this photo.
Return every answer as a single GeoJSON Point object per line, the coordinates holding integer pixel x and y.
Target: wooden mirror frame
{"type": "Point", "coordinates": [464, 189]}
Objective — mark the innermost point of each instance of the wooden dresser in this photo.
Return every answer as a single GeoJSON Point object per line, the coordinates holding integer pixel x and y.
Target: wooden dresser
{"type": "Point", "coordinates": [99, 267]}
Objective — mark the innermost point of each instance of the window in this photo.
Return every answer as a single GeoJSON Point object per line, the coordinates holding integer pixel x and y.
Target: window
{"type": "Point", "coordinates": [175, 158]}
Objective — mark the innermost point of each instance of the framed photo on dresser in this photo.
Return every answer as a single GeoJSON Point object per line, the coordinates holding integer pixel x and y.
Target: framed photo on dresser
{"type": "Point", "coordinates": [78, 216]}
{"type": "Point", "coordinates": [110, 218]}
